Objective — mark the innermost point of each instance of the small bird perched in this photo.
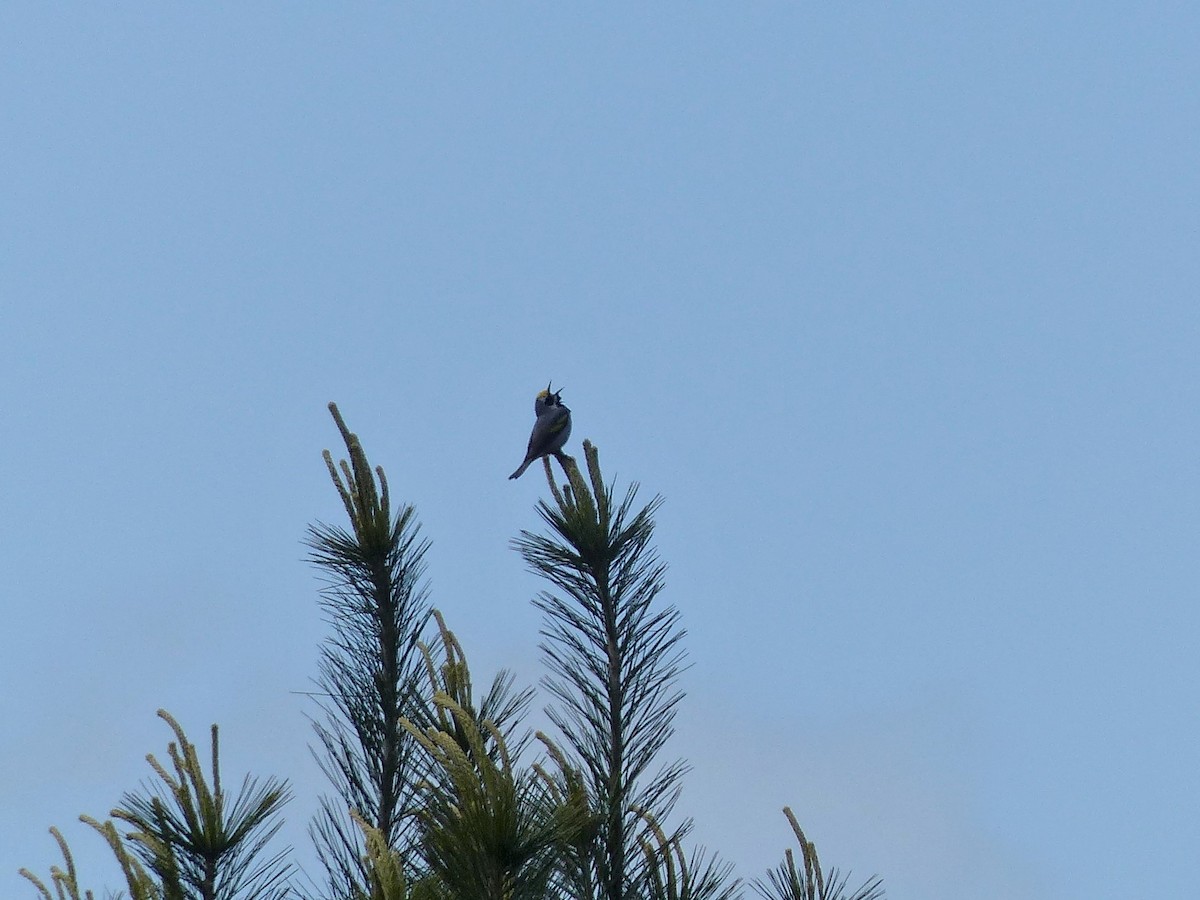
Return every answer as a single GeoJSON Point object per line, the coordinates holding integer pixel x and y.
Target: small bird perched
{"type": "Point", "coordinates": [550, 431]}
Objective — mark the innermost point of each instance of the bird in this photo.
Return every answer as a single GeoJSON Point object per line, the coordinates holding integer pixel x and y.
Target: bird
{"type": "Point", "coordinates": [550, 431]}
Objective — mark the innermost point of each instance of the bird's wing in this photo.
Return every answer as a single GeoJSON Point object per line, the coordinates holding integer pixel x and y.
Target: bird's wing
{"type": "Point", "coordinates": [549, 423]}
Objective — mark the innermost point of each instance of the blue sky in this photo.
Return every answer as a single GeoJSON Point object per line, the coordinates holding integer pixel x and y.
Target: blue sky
{"type": "Point", "coordinates": [894, 303]}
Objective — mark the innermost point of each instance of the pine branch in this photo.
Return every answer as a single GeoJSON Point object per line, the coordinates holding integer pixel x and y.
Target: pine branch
{"type": "Point", "coordinates": [371, 669]}
{"type": "Point", "coordinates": [613, 654]}
{"type": "Point", "coordinates": [490, 831]}
{"type": "Point", "coordinates": [786, 882]}
{"type": "Point", "coordinates": [670, 875]}
{"type": "Point", "coordinates": [196, 839]}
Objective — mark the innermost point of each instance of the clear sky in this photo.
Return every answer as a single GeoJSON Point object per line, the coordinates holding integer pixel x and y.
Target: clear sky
{"type": "Point", "coordinates": [896, 305]}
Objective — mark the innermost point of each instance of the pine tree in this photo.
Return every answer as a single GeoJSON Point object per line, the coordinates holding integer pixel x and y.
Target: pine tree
{"type": "Point", "coordinates": [65, 878]}
{"type": "Point", "coordinates": [200, 842]}
{"type": "Point", "coordinates": [491, 828]}
{"type": "Point", "coordinates": [371, 671]}
{"type": "Point", "coordinates": [191, 839]}
{"type": "Point", "coordinates": [432, 799]}
{"type": "Point", "coordinates": [614, 658]}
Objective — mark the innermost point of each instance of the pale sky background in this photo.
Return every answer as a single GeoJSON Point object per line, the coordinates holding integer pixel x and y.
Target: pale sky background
{"type": "Point", "coordinates": [896, 304]}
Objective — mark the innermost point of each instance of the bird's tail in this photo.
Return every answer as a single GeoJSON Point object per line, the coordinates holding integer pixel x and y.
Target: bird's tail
{"type": "Point", "coordinates": [521, 471]}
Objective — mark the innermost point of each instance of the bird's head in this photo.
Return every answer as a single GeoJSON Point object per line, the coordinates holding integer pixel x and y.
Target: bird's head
{"type": "Point", "coordinates": [543, 401]}
{"type": "Point", "coordinates": [547, 399]}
